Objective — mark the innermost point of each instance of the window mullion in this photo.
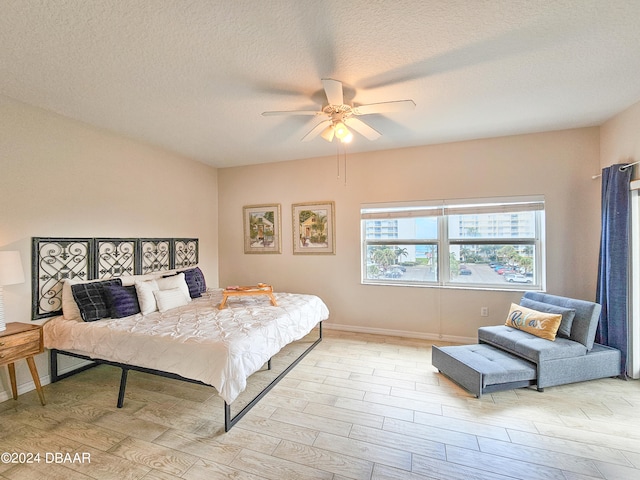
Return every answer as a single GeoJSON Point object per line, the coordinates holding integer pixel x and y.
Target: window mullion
{"type": "Point", "coordinates": [443, 251]}
{"type": "Point", "coordinates": [493, 241]}
{"type": "Point", "coordinates": [401, 242]}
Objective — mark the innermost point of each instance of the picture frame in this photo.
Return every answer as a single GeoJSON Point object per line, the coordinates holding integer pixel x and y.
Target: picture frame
{"type": "Point", "coordinates": [314, 228]}
{"type": "Point", "coordinates": [262, 226]}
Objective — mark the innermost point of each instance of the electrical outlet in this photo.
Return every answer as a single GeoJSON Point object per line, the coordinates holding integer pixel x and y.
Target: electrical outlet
{"type": "Point", "coordinates": [484, 311]}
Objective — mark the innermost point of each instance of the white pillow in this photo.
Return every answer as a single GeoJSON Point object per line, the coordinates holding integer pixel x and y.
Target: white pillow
{"type": "Point", "coordinates": [170, 298]}
{"type": "Point", "coordinates": [146, 299]}
{"type": "Point", "coordinates": [129, 280]}
{"type": "Point", "coordinates": [175, 281]}
{"type": "Point", "coordinates": [163, 273]}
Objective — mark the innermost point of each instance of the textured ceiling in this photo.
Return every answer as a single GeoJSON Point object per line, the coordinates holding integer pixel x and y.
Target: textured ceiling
{"type": "Point", "coordinates": [194, 76]}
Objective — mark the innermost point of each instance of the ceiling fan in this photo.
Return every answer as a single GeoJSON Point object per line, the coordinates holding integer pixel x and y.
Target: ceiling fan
{"type": "Point", "coordinates": [340, 116]}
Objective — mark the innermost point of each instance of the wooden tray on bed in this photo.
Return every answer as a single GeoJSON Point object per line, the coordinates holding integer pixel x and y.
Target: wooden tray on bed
{"type": "Point", "coordinates": [260, 289]}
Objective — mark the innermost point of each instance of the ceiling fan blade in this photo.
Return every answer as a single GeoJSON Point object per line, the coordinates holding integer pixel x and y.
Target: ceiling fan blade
{"type": "Point", "coordinates": [384, 107]}
{"type": "Point", "coordinates": [315, 131]}
{"type": "Point", "coordinates": [292, 112]}
{"type": "Point", "coordinates": [362, 128]}
{"type": "Point", "coordinates": [333, 89]}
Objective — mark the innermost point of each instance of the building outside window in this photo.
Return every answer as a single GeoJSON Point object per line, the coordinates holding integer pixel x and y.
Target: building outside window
{"type": "Point", "coordinates": [482, 243]}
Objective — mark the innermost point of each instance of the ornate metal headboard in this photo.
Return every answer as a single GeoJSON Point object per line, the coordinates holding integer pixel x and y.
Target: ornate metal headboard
{"type": "Point", "coordinates": [56, 259]}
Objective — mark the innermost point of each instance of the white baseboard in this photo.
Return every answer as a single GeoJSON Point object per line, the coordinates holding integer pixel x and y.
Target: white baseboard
{"type": "Point", "coordinates": [24, 388]}
{"type": "Point", "coordinates": [401, 333]}
{"type": "Point", "coordinates": [44, 380]}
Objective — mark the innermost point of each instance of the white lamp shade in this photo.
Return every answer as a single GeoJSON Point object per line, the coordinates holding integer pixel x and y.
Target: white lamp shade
{"type": "Point", "coordinates": [10, 268]}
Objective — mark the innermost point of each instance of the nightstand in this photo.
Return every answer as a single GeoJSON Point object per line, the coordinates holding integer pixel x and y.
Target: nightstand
{"type": "Point", "coordinates": [21, 340]}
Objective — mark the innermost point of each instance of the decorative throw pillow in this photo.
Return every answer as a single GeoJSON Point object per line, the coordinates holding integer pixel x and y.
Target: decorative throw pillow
{"type": "Point", "coordinates": [195, 281]}
{"type": "Point", "coordinates": [146, 299]}
{"type": "Point", "coordinates": [543, 325]}
{"type": "Point", "coordinates": [568, 314]}
{"type": "Point", "coordinates": [91, 299]}
{"type": "Point", "coordinates": [70, 310]}
{"type": "Point", "coordinates": [171, 298]}
{"type": "Point", "coordinates": [174, 281]}
{"type": "Point", "coordinates": [122, 301]}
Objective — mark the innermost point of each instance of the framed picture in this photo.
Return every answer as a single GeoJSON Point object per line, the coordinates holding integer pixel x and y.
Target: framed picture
{"type": "Point", "coordinates": [313, 228]}
{"type": "Point", "coordinates": [262, 229]}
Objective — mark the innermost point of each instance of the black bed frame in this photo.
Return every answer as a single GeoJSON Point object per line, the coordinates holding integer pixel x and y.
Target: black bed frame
{"type": "Point", "coordinates": [229, 421]}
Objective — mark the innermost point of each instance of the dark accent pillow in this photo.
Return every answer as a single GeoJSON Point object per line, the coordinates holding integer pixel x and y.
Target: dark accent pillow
{"type": "Point", "coordinates": [568, 314]}
{"type": "Point", "coordinates": [195, 281]}
{"type": "Point", "coordinates": [91, 299]}
{"type": "Point", "coordinates": [122, 301]}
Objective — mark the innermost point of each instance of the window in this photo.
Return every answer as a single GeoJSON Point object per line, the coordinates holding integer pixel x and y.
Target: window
{"type": "Point", "coordinates": [490, 243]}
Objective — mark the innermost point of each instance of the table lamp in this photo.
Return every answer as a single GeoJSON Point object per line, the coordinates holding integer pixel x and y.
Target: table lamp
{"type": "Point", "coordinates": [10, 274]}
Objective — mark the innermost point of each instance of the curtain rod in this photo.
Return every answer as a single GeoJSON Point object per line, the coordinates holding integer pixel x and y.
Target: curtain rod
{"type": "Point", "coordinates": [622, 168]}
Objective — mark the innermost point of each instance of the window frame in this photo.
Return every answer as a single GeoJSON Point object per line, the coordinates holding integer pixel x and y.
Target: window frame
{"type": "Point", "coordinates": [442, 242]}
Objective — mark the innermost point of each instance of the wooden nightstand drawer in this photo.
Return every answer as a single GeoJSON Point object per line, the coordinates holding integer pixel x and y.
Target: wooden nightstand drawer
{"type": "Point", "coordinates": [21, 338]}
{"type": "Point", "coordinates": [9, 354]}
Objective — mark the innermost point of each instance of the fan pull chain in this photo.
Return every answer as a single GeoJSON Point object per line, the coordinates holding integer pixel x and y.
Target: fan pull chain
{"type": "Point", "coordinates": [344, 171]}
{"type": "Point", "coordinates": [345, 166]}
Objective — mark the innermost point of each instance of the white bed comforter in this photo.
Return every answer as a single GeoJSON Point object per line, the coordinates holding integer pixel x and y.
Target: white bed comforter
{"type": "Point", "coordinates": [197, 341]}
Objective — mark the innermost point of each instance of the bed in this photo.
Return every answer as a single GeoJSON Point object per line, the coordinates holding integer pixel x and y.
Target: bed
{"type": "Point", "coordinates": [193, 341]}
{"type": "Point", "coordinates": [199, 342]}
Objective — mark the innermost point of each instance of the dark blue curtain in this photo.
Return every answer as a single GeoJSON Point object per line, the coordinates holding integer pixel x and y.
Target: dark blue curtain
{"type": "Point", "coordinates": [613, 272]}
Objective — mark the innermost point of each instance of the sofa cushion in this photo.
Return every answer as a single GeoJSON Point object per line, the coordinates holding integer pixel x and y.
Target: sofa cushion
{"type": "Point", "coordinates": [540, 324]}
{"type": "Point", "coordinates": [585, 322]}
{"type": "Point", "coordinates": [568, 314]}
{"type": "Point", "coordinates": [482, 368]}
{"type": "Point", "coordinates": [529, 347]}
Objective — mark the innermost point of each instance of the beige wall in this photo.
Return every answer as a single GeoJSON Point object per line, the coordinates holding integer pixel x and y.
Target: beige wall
{"type": "Point", "coordinates": [556, 164]}
{"type": "Point", "coordinates": [63, 178]}
{"type": "Point", "coordinates": [620, 139]}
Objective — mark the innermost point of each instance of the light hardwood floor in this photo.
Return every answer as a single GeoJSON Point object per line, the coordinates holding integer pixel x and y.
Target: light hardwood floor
{"type": "Point", "coordinates": [358, 406]}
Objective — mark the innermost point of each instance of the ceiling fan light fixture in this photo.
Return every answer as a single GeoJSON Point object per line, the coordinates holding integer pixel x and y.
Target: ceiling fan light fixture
{"type": "Point", "coordinates": [347, 138]}
{"type": "Point", "coordinates": [328, 133]}
{"type": "Point", "coordinates": [341, 130]}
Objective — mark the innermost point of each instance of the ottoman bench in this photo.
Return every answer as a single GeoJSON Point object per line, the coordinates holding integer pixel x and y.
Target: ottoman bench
{"type": "Point", "coordinates": [483, 368]}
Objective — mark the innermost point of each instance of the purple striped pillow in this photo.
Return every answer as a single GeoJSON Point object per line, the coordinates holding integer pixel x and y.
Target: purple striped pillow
{"type": "Point", "coordinates": [122, 301]}
{"type": "Point", "coordinates": [195, 281]}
